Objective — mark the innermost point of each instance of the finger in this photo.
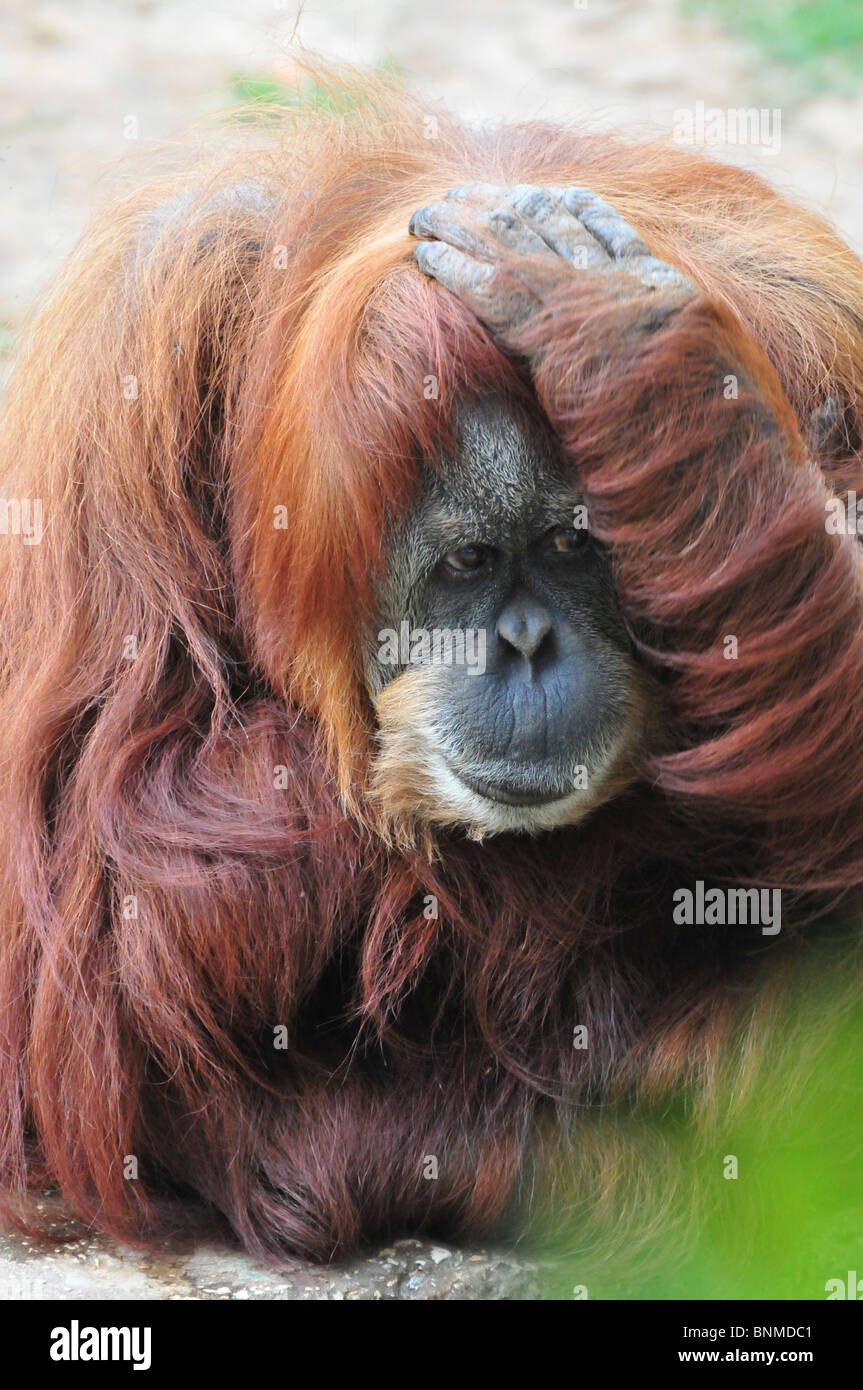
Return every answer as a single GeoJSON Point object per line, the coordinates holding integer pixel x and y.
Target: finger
{"type": "Point", "coordinates": [453, 223]}
{"type": "Point", "coordinates": [452, 268]}
{"type": "Point", "coordinates": [485, 232]}
{"type": "Point", "coordinates": [608, 227]}
{"type": "Point", "coordinates": [621, 241]}
{"type": "Point", "coordinates": [545, 213]}
{"type": "Point", "coordinates": [497, 301]}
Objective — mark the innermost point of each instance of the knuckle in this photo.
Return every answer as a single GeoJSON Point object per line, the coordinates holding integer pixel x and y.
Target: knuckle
{"type": "Point", "coordinates": [502, 220]}
{"type": "Point", "coordinates": [576, 194]}
{"type": "Point", "coordinates": [530, 199]}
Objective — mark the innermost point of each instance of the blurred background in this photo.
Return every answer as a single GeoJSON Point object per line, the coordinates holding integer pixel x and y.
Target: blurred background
{"type": "Point", "coordinates": [86, 82]}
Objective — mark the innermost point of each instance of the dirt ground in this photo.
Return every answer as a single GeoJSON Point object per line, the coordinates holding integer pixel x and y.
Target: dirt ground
{"type": "Point", "coordinates": [71, 74]}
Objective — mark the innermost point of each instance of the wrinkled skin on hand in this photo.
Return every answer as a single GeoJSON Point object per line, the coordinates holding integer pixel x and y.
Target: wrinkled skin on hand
{"type": "Point", "coordinates": [503, 251]}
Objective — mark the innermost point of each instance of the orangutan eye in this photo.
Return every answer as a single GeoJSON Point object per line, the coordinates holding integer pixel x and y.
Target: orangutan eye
{"type": "Point", "coordinates": [567, 539]}
{"type": "Point", "coordinates": [467, 559]}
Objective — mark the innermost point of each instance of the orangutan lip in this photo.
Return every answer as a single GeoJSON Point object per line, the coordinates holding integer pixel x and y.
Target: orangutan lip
{"type": "Point", "coordinates": [507, 795]}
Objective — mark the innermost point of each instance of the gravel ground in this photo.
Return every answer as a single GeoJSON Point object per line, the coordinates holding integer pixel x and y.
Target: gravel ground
{"type": "Point", "coordinates": [409, 1270]}
{"type": "Point", "coordinates": [71, 75]}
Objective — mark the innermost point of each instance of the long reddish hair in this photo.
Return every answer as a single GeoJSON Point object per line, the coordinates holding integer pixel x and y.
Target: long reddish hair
{"type": "Point", "coordinates": [245, 339]}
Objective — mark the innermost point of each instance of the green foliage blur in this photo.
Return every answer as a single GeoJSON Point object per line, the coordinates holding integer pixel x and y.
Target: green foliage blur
{"type": "Point", "coordinates": [821, 40]}
{"type": "Point", "coordinates": [791, 1220]}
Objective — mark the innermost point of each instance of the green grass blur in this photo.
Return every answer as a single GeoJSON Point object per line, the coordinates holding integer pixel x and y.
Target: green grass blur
{"type": "Point", "coordinates": [820, 40]}
{"type": "Point", "coordinates": [790, 1221]}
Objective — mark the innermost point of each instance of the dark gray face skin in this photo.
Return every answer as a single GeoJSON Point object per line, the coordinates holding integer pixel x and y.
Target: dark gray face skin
{"type": "Point", "coordinates": [491, 547]}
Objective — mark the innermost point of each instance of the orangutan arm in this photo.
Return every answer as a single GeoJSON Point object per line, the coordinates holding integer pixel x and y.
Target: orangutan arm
{"type": "Point", "coordinates": [694, 471]}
